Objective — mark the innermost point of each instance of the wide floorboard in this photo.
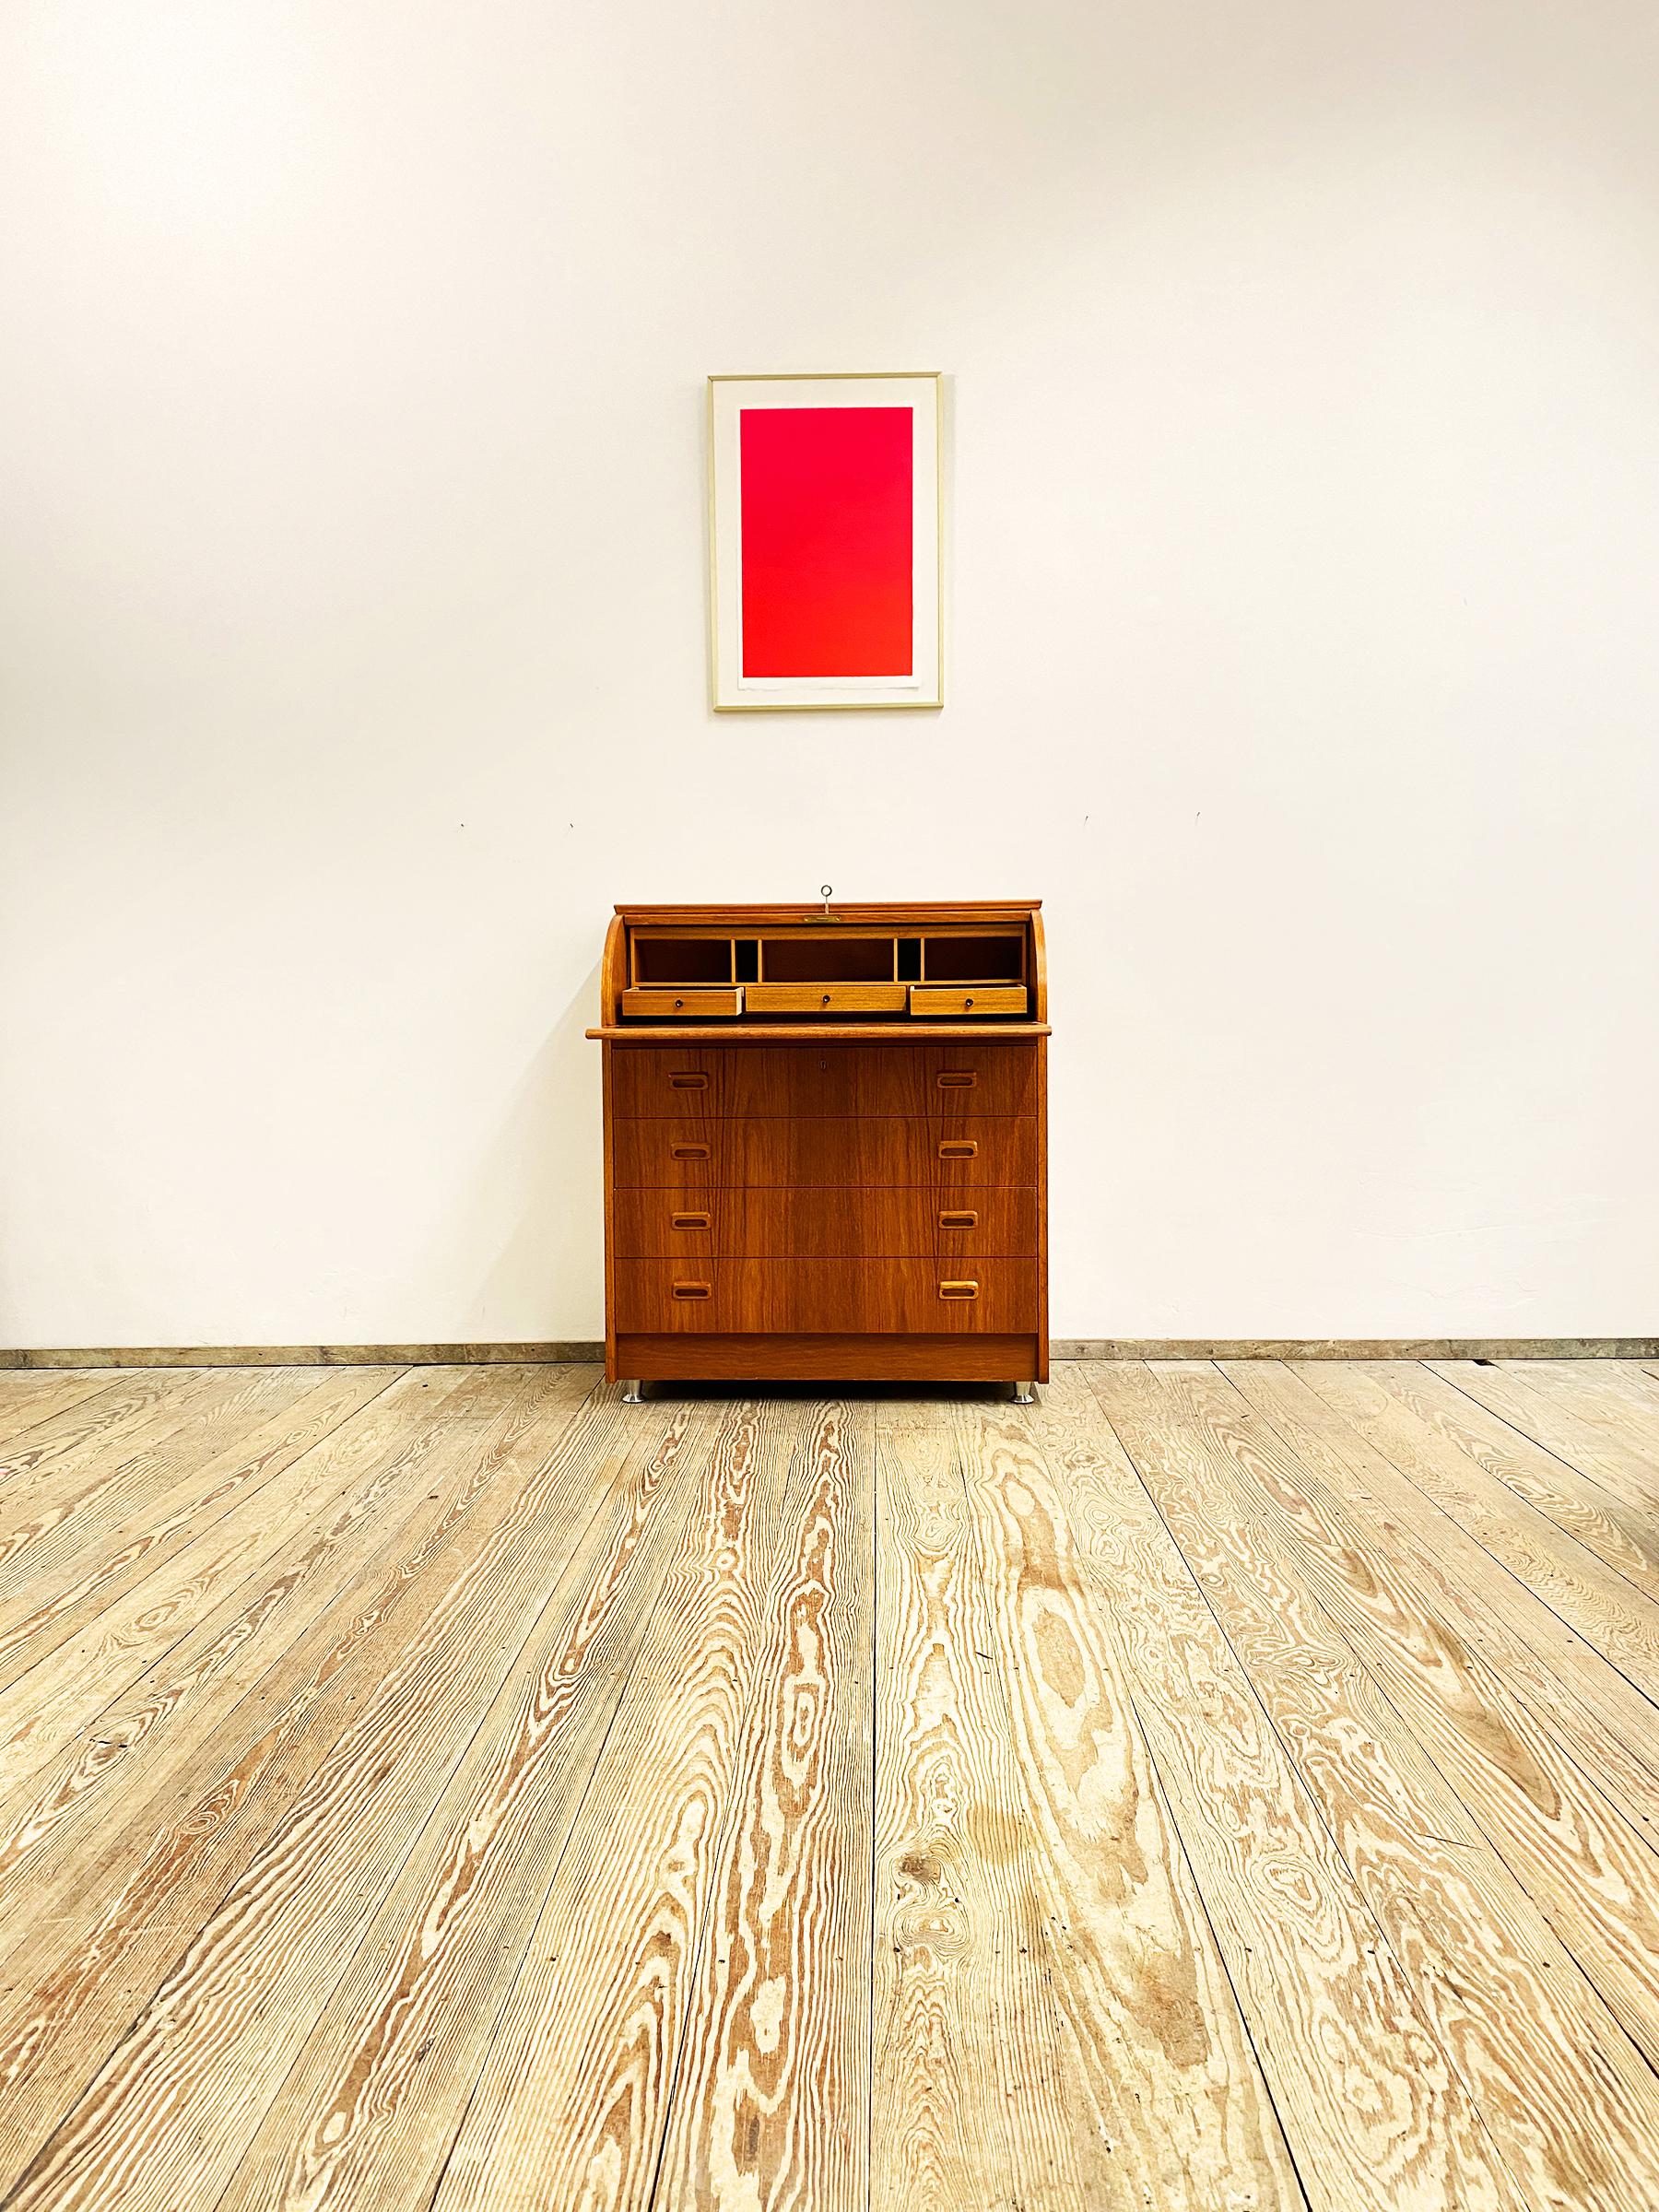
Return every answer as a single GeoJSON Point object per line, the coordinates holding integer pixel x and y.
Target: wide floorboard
{"type": "Point", "coordinates": [1227, 1786]}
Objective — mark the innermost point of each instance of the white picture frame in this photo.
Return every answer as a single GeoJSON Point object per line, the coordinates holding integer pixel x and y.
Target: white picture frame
{"type": "Point", "coordinates": [739, 689]}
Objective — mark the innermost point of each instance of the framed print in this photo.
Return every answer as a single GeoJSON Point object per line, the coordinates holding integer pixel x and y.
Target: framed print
{"type": "Point", "coordinates": [824, 501]}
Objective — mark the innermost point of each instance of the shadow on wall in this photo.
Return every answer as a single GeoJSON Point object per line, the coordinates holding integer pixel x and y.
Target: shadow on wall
{"type": "Point", "coordinates": [524, 1244]}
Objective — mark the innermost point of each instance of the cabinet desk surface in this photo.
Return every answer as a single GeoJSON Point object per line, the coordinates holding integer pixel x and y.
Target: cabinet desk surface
{"type": "Point", "coordinates": [825, 1147]}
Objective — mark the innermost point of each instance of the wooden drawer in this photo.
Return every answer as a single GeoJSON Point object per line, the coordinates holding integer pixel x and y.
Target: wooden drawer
{"type": "Point", "coordinates": [878, 1151]}
{"type": "Point", "coordinates": [757, 1082]}
{"type": "Point", "coordinates": [738, 1082]}
{"type": "Point", "coordinates": [967, 998]}
{"type": "Point", "coordinates": [828, 999]}
{"type": "Point", "coordinates": [925, 1296]}
{"type": "Point", "coordinates": [693, 1003]}
{"type": "Point", "coordinates": [824, 1224]}
{"type": "Point", "coordinates": [976, 1080]}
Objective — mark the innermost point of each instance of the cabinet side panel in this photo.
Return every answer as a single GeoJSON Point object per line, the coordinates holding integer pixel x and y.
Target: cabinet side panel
{"type": "Point", "coordinates": [611, 1372]}
{"type": "Point", "coordinates": [1042, 1237]}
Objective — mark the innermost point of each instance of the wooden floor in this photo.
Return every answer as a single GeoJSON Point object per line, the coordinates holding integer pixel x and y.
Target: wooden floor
{"type": "Point", "coordinates": [1215, 1786]}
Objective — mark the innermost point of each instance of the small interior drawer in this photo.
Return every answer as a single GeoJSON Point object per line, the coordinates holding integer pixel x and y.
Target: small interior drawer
{"type": "Point", "coordinates": [827, 998]}
{"type": "Point", "coordinates": [968, 998]}
{"type": "Point", "coordinates": [691, 1003]}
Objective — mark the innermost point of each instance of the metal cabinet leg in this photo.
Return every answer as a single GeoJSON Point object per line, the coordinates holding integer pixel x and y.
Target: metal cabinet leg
{"type": "Point", "coordinates": [1024, 1393]}
{"type": "Point", "coordinates": [631, 1392]}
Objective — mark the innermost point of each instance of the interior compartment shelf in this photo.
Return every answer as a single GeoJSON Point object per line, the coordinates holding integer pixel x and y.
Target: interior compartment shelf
{"type": "Point", "coordinates": [972, 960]}
{"type": "Point", "coordinates": [826, 959]}
{"type": "Point", "coordinates": [868, 970]}
{"type": "Point", "coordinates": [682, 960]}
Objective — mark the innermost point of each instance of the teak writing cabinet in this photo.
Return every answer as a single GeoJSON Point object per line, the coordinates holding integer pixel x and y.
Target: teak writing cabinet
{"type": "Point", "coordinates": [825, 1143]}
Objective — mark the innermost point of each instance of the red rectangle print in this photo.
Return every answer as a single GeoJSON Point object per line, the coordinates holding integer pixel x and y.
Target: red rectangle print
{"type": "Point", "coordinates": [826, 499]}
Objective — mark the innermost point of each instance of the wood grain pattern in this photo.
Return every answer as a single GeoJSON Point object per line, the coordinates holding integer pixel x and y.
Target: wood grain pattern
{"type": "Point", "coordinates": [571, 2102]}
{"type": "Point", "coordinates": [387, 2071]}
{"type": "Point", "coordinates": [1621, 1536]}
{"type": "Point", "coordinates": [972, 2101]}
{"type": "Point", "coordinates": [771, 2104]}
{"type": "Point", "coordinates": [1602, 1399]}
{"type": "Point", "coordinates": [202, 1768]}
{"type": "Point", "coordinates": [148, 1662]}
{"type": "Point", "coordinates": [1623, 1382]}
{"type": "Point", "coordinates": [28, 1397]}
{"type": "Point", "coordinates": [1161, 2063]}
{"type": "Point", "coordinates": [668, 1005]}
{"type": "Point", "coordinates": [1630, 1472]}
{"type": "Point", "coordinates": [943, 1001]}
{"type": "Point", "coordinates": [172, 1519]}
{"type": "Point", "coordinates": [989, 1294]}
{"type": "Point", "coordinates": [1597, 1601]}
{"type": "Point", "coordinates": [1314, 1971]}
{"type": "Point", "coordinates": [49, 1467]}
{"type": "Point", "coordinates": [820, 1224]}
{"type": "Point", "coordinates": [825, 999]}
{"type": "Point", "coordinates": [1593, 1875]}
{"type": "Point", "coordinates": [66, 1501]}
{"type": "Point", "coordinates": [219, 2028]}
{"type": "Point", "coordinates": [456, 1791]}
{"type": "Point", "coordinates": [1611, 1721]}
{"type": "Point", "coordinates": [1572, 2109]}
{"type": "Point", "coordinates": [840, 1356]}
{"type": "Point", "coordinates": [880, 1151]}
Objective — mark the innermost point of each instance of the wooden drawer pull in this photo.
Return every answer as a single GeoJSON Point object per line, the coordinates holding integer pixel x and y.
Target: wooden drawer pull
{"type": "Point", "coordinates": [693, 1290]}
{"type": "Point", "coordinates": [958, 1220]}
{"type": "Point", "coordinates": [963, 1147]}
{"type": "Point", "coordinates": [951, 1290]}
{"type": "Point", "coordinates": [689, 1220]}
{"type": "Point", "coordinates": [689, 1082]}
{"type": "Point", "coordinates": [688, 1152]}
{"type": "Point", "coordinates": [956, 1080]}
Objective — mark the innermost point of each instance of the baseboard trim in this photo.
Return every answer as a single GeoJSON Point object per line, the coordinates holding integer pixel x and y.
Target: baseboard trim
{"type": "Point", "coordinates": [1062, 1348]}
{"type": "Point", "coordinates": [309, 1354]}
{"type": "Point", "coordinates": [1354, 1348]}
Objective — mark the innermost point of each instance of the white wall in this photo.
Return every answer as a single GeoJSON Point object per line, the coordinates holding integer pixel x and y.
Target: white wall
{"type": "Point", "coordinates": [1306, 536]}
